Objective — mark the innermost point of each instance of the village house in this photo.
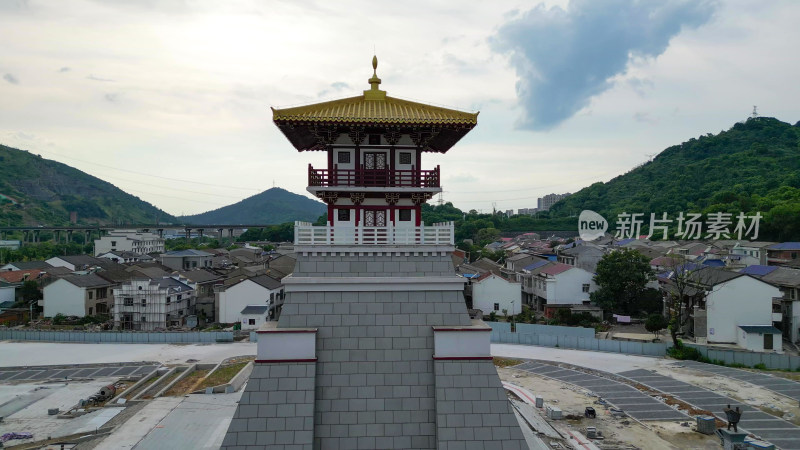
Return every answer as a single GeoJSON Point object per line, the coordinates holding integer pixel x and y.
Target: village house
{"type": "Point", "coordinates": [203, 281]}
{"type": "Point", "coordinates": [259, 290]}
{"type": "Point", "coordinates": [553, 283]}
{"type": "Point", "coordinates": [186, 259]}
{"type": "Point", "coordinates": [584, 256]}
{"type": "Point", "coordinates": [724, 307]}
{"type": "Point", "coordinates": [75, 262]}
{"type": "Point", "coordinates": [148, 305]}
{"type": "Point", "coordinates": [788, 281]}
{"type": "Point", "coordinates": [78, 295]}
{"type": "Point", "coordinates": [493, 293]}
{"type": "Point", "coordinates": [783, 253]}
{"type": "Point", "coordinates": [125, 257]}
{"type": "Point", "coordinates": [253, 316]}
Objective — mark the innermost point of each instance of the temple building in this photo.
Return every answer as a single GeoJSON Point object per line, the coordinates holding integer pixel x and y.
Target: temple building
{"type": "Point", "coordinates": [374, 347]}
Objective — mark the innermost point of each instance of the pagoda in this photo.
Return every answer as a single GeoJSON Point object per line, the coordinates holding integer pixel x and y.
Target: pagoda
{"type": "Point", "coordinates": [374, 347]}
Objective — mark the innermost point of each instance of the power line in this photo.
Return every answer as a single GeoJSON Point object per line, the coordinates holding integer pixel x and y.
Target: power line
{"type": "Point", "coordinates": [150, 175]}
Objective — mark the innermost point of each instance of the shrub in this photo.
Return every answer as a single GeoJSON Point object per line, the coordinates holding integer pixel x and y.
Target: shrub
{"type": "Point", "coordinates": [682, 352]}
{"type": "Point", "coordinates": [760, 366]}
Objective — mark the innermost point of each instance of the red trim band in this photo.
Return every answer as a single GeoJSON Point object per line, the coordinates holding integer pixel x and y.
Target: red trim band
{"type": "Point", "coordinates": [285, 330]}
{"type": "Point", "coordinates": [462, 358]}
{"type": "Point", "coordinates": [270, 361]}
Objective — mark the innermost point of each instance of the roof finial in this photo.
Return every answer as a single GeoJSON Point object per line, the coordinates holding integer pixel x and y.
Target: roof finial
{"type": "Point", "coordinates": [374, 81]}
{"type": "Point", "coordinates": [374, 93]}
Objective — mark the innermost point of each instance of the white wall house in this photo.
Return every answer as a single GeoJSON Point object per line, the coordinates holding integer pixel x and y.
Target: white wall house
{"type": "Point", "coordinates": [74, 262]}
{"type": "Point", "coordinates": [559, 284]}
{"type": "Point", "coordinates": [260, 290]}
{"type": "Point", "coordinates": [128, 241]}
{"type": "Point", "coordinates": [493, 293]}
{"type": "Point", "coordinates": [78, 295]}
{"type": "Point", "coordinates": [253, 316]}
{"type": "Point", "coordinates": [123, 257]}
{"type": "Point", "coordinates": [742, 300]}
{"type": "Point", "coordinates": [149, 305]}
{"type": "Point", "coordinates": [759, 338]}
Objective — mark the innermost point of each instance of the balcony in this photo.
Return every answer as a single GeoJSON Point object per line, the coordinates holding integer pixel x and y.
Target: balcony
{"type": "Point", "coordinates": [436, 234]}
{"type": "Point", "coordinates": [373, 178]}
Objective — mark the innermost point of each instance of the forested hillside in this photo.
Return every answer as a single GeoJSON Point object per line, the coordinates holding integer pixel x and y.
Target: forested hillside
{"type": "Point", "coordinates": [38, 191]}
{"type": "Point", "coordinates": [754, 166]}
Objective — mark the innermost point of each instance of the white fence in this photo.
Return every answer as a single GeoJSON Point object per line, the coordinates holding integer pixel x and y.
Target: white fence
{"type": "Point", "coordinates": [583, 339]}
{"type": "Point", "coordinates": [436, 234]}
{"type": "Point", "coordinates": [750, 359]}
{"type": "Point", "coordinates": [121, 337]}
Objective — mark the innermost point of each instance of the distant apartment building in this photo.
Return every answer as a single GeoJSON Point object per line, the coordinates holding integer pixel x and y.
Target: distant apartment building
{"type": "Point", "coordinates": [148, 305]}
{"type": "Point", "coordinates": [527, 211]}
{"type": "Point", "coordinates": [128, 241]}
{"type": "Point", "coordinates": [549, 200]}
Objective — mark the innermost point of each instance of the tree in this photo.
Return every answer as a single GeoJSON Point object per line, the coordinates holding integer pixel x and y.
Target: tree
{"type": "Point", "coordinates": [621, 276]}
{"type": "Point", "coordinates": [487, 235]}
{"type": "Point", "coordinates": [685, 286]}
{"type": "Point", "coordinates": [655, 323]}
{"type": "Point", "coordinates": [30, 291]}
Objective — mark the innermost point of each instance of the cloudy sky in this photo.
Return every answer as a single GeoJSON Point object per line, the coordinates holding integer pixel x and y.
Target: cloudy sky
{"type": "Point", "coordinates": [169, 99]}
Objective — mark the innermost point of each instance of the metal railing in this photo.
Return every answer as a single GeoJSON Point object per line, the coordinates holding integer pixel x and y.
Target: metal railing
{"type": "Point", "coordinates": [436, 234]}
{"type": "Point", "coordinates": [376, 178]}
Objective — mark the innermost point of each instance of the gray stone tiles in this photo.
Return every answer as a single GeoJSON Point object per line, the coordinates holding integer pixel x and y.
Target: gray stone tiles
{"type": "Point", "coordinates": [376, 385]}
{"type": "Point", "coordinates": [635, 403]}
{"type": "Point", "coordinates": [783, 434]}
{"type": "Point", "coordinates": [472, 406]}
{"type": "Point", "coordinates": [276, 410]}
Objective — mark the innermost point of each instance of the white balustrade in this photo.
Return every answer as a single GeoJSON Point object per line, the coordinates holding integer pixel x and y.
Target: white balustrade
{"type": "Point", "coordinates": [437, 234]}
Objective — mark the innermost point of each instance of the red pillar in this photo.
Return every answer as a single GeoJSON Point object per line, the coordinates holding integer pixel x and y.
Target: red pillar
{"type": "Point", "coordinates": [330, 215]}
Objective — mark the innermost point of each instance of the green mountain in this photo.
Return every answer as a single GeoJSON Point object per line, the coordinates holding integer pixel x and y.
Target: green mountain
{"type": "Point", "coordinates": [272, 206]}
{"type": "Point", "coordinates": [754, 166]}
{"type": "Point", "coordinates": [38, 191]}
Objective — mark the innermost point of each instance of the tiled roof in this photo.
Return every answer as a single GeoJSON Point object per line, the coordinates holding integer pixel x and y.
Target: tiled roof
{"type": "Point", "coordinates": [199, 275]}
{"type": "Point", "coordinates": [16, 276]}
{"type": "Point", "coordinates": [555, 268]}
{"type": "Point", "coordinates": [266, 281]}
{"type": "Point", "coordinates": [785, 246]}
{"type": "Point", "coordinates": [188, 252]}
{"type": "Point", "coordinates": [758, 270]}
{"type": "Point", "coordinates": [535, 265]}
{"type": "Point", "coordinates": [255, 309]}
{"type": "Point", "coordinates": [26, 265]}
{"type": "Point", "coordinates": [389, 110]}
{"type": "Point", "coordinates": [763, 329]}
{"type": "Point", "coordinates": [89, 280]}
{"type": "Point", "coordinates": [783, 276]}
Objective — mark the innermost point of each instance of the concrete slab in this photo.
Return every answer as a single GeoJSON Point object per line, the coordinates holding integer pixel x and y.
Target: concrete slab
{"type": "Point", "coordinates": [133, 431]}
{"type": "Point", "coordinates": [198, 422]}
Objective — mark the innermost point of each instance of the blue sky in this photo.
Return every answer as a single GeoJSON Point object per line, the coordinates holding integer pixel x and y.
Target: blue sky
{"type": "Point", "coordinates": [169, 100]}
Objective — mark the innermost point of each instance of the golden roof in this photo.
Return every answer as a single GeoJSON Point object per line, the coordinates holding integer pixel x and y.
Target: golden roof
{"type": "Point", "coordinates": [387, 110]}
{"type": "Point", "coordinates": [374, 107]}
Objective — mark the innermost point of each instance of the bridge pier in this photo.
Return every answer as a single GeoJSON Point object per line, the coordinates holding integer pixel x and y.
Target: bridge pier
{"type": "Point", "coordinates": [188, 235]}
